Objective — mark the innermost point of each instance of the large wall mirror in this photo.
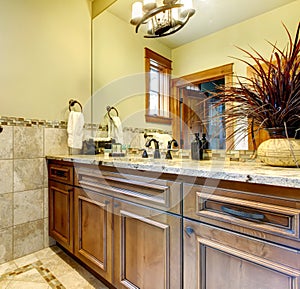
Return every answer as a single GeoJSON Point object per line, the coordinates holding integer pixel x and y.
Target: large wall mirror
{"type": "Point", "coordinates": [207, 42]}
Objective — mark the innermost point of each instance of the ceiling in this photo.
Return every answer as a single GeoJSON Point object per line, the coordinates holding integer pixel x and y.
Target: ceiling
{"type": "Point", "coordinates": [210, 16]}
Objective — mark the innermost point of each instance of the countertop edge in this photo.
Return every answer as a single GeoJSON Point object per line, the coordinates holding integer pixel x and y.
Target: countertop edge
{"type": "Point", "coordinates": [248, 172]}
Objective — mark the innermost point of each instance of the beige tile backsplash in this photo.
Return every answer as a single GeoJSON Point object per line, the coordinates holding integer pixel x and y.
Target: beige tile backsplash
{"type": "Point", "coordinates": [28, 174]}
{"type": "Point", "coordinates": [6, 250]}
{"type": "Point", "coordinates": [6, 143]}
{"type": "Point", "coordinates": [23, 183]}
{"type": "Point", "coordinates": [28, 206]}
{"type": "Point", "coordinates": [28, 238]}
{"type": "Point", "coordinates": [28, 142]}
{"type": "Point", "coordinates": [6, 176]}
{"type": "Point", "coordinates": [6, 217]}
{"type": "Point", "coordinates": [57, 144]}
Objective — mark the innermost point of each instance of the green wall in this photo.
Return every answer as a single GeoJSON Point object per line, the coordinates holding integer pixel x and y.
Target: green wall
{"type": "Point", "coordinates": [215, 49]}
{"type": "Point", "coordinates": [45, 56]}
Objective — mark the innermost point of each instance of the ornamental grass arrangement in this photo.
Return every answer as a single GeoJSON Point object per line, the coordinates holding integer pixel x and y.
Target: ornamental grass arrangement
{"type": "Point", "coordinates": [270, 97]}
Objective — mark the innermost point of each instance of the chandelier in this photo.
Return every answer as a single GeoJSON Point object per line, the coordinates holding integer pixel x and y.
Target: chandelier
{"type": "Point", "coordinates": [162, 20]}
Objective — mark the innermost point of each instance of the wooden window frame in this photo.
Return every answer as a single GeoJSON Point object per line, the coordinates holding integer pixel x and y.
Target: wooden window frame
{"type": "Point", "coordinates": [223, 71]}
{"type": "Point", "coordinates": [165, 66]}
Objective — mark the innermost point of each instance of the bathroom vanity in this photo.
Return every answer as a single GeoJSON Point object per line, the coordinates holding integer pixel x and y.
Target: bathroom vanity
{"type": "Point", "coordinates": [178, 223]}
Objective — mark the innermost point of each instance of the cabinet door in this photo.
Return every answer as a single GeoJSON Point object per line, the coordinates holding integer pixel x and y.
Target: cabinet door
{"type": "Point", "coordinates": [93, 231]}
{"type": "Point", "coordinates": [61, 214]}
{"type": "Point", "coordinates": [216, 258]}
{"type": "Point", "coordinates": [147, 248]}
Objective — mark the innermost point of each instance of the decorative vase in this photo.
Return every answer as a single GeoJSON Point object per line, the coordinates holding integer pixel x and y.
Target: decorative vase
{"type": "Point", "coordinates": [280, 150]}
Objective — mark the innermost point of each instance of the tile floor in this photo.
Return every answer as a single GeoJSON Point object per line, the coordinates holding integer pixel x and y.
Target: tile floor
{"type": "Point", "coordinates": [45, 269]}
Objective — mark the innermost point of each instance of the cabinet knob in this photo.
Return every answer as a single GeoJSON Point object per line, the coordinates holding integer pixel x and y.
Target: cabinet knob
{"type": "Point", "coordinates": [189, 231]}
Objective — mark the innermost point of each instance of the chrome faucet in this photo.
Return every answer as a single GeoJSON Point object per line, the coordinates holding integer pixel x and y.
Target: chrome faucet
{"type": "Point", "coordinates": [156, 147]}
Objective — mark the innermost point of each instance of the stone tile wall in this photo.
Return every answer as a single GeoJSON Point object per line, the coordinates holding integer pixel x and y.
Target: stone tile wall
{"type": "Point", "coordinates": [23, 183]}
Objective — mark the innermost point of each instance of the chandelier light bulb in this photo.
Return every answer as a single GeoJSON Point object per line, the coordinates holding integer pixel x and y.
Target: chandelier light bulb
{"type": "Point", "coordinates": [150, 27]}
{"type": "Point", "coordinates": [187, 8]}
{"type": "Point", "coordinates": [136, 12]}
{"type": "Point", "coordinates": [149, 5]}
{"type": "Point", "coordinates": [175, 14]}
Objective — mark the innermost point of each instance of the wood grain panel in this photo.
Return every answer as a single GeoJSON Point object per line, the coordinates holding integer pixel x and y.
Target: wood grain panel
{"type": "Point", "coordinates": [146, 248]}
{"type": "Point", "coordinates": [257, 215]}
{"type": "Point", "coordinates": [217, 258]}
{"type": "Point", "coordinates": [93, 231]}
{"type": "Point", "coordinates": [140, 255]}
{"type": "Point", "coordinates": [61, 214]}
{"type": "Point", "coordinates": [160, 194]}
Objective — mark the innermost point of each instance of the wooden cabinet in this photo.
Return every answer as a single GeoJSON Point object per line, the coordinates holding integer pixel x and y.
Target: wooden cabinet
{"type": "Point", "coordinates": [217, 258]}
{"type": "Point", "coordinates": [146, 236]}
{"type": "Point", "coordinates": [147, 247]}
{"type": "Point", "coordinates": [237, 239]}
{"type": "Point", "coordinates": [60, 199]}
{"type": "Point", "coordinates": [141, 230]}
{"type": "Point", "coordinates": [93, 231]}
{"type": "Point", "coordinates": [61, 213]}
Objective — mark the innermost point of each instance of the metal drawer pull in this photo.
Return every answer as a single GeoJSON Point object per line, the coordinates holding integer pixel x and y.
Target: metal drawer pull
{"type": "Point", "coordinates": [253, 216]}
{"type": "Point", "coordinates": [59, 173]}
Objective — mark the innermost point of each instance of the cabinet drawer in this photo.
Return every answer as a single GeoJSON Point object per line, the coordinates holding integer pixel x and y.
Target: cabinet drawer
{"type": "Point", "coordinates": [147, 191]}
{"type": "Point", "coordinates": [218, 258]}
{"type": "Point", "coordinates": [247, 210]}
{"type": "Point", "coordinates": [60, 173]}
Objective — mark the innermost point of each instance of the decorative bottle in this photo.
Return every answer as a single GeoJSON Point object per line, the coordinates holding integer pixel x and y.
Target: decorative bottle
{"type": "Point", "coordinates": [205, 143]}
{"type": "Point", "coordinates": [196, 148]}
{"type": "Point", "coordinates": [205, 146]}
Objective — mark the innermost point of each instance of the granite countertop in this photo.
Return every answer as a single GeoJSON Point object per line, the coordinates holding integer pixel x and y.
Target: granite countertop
{"type": "Point", "coordinates": [250, 171]}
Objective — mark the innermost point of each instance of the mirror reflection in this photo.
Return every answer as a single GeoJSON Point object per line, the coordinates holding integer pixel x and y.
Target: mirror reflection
{"type": "Point", "coordinates": [201, 58]}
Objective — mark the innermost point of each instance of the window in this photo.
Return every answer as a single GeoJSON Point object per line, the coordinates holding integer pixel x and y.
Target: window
{"type": "Point", "coordinates": [158, 78]}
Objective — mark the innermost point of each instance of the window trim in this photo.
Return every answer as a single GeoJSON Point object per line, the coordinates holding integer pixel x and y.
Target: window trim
{"type": "Point", "coordinates": [166, 64]}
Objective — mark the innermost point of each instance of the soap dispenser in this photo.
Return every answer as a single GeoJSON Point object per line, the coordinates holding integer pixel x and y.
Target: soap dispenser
{"type": "Point", "coordinates": [196, 148]}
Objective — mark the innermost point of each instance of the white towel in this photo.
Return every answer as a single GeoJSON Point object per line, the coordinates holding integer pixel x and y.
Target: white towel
{"type": "Point", "coordinates": [75, 129]}
{"type": "Point", "coordinates": [116, 130]}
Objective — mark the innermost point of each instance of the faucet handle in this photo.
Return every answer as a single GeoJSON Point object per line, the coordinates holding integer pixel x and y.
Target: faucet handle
{"type": "Point", "coordinates": [175, 143]}
{"type": "Point", "coordinates": [144, 154]}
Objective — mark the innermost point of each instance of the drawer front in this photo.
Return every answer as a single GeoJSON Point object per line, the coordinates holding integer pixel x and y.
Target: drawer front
{"type": "Point", "coordinates": [61, 173]}
{"type": "Point", "coordinates": [251, 211]}
{"type": "Point", "coordinates": [218, 258]}
{"type": "Point", "coordinates": [155, 193]}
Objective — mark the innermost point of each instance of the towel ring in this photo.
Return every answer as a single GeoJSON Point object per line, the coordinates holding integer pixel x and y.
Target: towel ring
{"type": "Point", "coordinates": [72, 102]}
{"type": "Point", "coordinates": [109, 108]}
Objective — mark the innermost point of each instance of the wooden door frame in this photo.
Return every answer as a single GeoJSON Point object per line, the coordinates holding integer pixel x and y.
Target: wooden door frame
{"type": "Point", "coordinates": [224, 71]}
